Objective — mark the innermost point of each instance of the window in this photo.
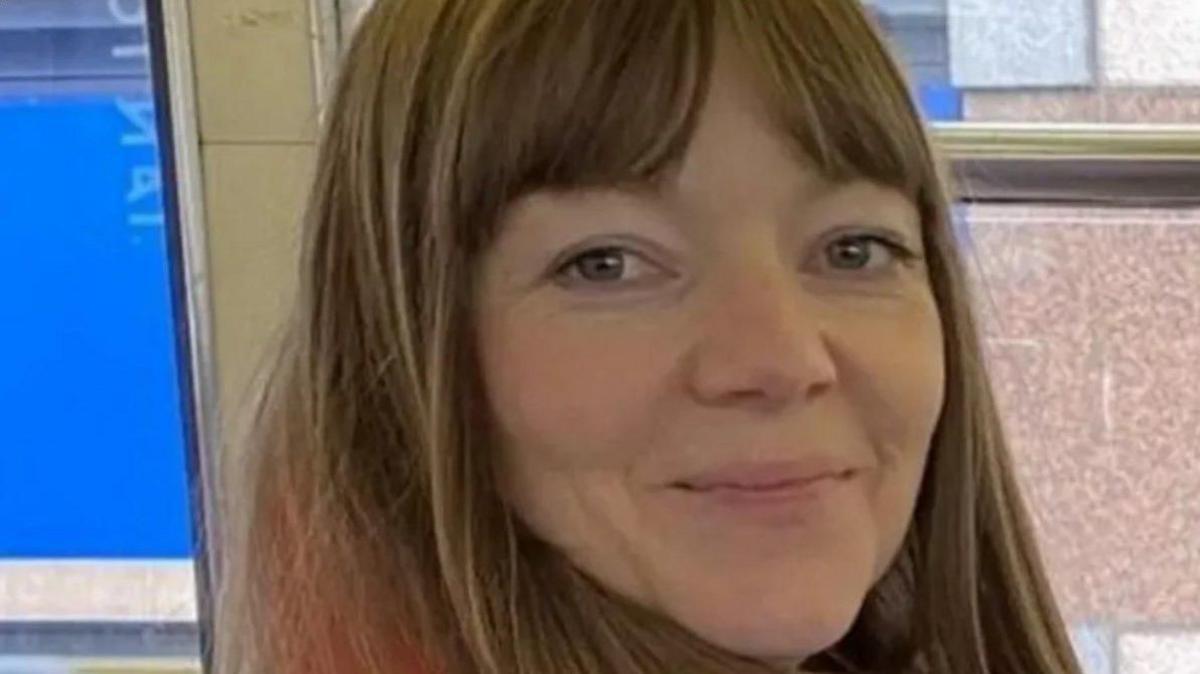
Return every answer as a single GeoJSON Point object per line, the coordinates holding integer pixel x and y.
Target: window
{"type": "Point", "coordinates": [96, 552]}
{"type": "Point", "coordinates": [1074, 130]}
{"type": "Point", "coordinates": [1077, 61]}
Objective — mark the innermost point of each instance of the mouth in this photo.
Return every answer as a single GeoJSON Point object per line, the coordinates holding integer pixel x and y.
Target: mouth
{"type": "Point", "coordinates": [764, 477]}
{"type": "Point", "coordinates": [771, 494]}
{"type": "Point", "coordinates": [766, 487]}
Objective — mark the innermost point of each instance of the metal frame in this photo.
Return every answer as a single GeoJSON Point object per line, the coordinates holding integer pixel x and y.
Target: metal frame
{"type": "Point", "coordinates": [1127, 142]}
{"type": "Point", "coordinates": [95, 640]}
{"type": "Point", "coordinates": [169, 29]}
{"type": "Point", "coordinates": [1063, 163]}
{"type": "Point", "coordinates": [325, 34]}
{"type": "Point", "coordinates": [172, 61]}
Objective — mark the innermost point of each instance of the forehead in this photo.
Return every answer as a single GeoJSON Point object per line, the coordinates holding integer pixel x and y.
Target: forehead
{"type": "Point", "coordinates": [750, 115]}
{"type": "Point", "coordinates": [740, 157]}
{"type": "Point", "coordinates": [738, 147]}
{"type": "Point", "coordinates": [739, 163]}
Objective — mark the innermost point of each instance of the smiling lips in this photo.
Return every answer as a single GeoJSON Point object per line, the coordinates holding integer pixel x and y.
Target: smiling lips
{"type": "Point", "coordinates": [774, 494]}
{"type": "Point", "coordinates": [765, 477]}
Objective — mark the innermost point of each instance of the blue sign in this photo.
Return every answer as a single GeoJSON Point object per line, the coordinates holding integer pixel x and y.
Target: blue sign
{"type": "Point", "coordinates": [941, 102]}
{"type": "Point", "coordinates": [91, 435]}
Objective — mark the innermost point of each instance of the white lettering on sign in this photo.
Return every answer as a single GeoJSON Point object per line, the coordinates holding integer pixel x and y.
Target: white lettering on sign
{"type": "Point", "coordinates": [145, 180]}
{"type": "Point", "coordinates": [146, 220]}
{"type": "Point", "coordinates": [129, 13]}
{"type": "Point", "coordinates": [141, 115]}
{"type": "Point", "coordinates": [131, 51]}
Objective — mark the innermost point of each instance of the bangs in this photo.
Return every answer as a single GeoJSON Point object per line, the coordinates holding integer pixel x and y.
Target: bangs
{"type": "Point", "coordinates": [835, 89]}
{"type": "Point", "coordinates": [576, 94]}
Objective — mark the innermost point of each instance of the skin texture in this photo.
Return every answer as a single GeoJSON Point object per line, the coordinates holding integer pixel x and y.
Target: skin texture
{"type": "Point", "coordinates": [740, 313]}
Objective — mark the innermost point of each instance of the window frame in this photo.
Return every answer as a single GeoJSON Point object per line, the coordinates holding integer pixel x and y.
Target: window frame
{"type": "Point", "coordinates": [1103, 164]}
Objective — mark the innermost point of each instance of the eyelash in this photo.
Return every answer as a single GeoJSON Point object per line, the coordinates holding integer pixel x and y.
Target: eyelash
{"type": "Point", "coordinates": [562, 272]}
{"type": "Point", "coordinates": [901, 252]}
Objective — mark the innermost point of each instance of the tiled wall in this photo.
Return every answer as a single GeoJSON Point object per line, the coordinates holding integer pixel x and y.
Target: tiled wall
{"type": "Point", "coordinates": [257, 118]}
{"type": "Point", "coordinates": [1019, 43]}
{"type": "Point", "coordinates": [1179, 105]}
{"type": "Point", "coordinates": [1112, 61]}
{"type": "Point", "coordinates": [1150, 42]}
{"type": "Point", "coordinates": [1146, 61]}
{"type": "Point", "coordinates": [1093, 326]}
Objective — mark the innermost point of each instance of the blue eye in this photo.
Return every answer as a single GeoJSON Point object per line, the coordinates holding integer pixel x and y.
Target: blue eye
{"type": "Point", "coordinates": [606, 265]}
{"type": "Point", "coordinates": [599, 265]}
{"type": "Point", "coordinates": [865, 252]}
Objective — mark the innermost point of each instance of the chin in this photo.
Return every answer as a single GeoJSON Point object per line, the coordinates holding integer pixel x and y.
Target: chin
{"type": "Point", "coordinates": [784, 627]}
{"type": "Point", "coordinates": [795, 639]}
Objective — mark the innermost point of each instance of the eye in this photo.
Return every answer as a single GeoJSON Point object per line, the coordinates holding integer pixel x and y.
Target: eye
{"type": "Point", "coordinates": [607, 265]}
{"type": "Point", "coordinates": [858, 253]}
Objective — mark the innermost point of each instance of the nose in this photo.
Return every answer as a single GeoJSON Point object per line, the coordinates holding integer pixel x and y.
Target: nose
{"type": "Point", "coordinates": [760, 345]}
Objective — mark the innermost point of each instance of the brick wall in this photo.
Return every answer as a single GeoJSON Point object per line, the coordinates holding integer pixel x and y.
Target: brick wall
{"type": "Point", "coordinates": [1092, 319]}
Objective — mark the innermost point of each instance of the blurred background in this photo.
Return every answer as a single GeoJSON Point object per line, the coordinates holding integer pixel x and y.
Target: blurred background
{"type": "Point", "coordinates": [153, 161]}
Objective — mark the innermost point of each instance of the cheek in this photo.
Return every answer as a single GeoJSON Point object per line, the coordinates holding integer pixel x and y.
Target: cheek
{"type": "Point", "coordinates": [572, 396]}
{"type": "Point", "coordinates": [897, 390]}
{"type": "Point", "coordinates": [891, 367]}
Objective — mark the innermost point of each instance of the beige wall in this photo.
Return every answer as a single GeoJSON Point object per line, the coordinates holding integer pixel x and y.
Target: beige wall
{"type": "Point", "coordinates": [256, 114]}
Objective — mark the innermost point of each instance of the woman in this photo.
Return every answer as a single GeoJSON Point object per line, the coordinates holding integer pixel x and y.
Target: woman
{"type": "Point", "coordinates": [631, 338]}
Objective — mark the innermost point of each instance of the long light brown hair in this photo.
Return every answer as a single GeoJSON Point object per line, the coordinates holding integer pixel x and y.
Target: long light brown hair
{"type": "Point", "coordinates": [369, 534]}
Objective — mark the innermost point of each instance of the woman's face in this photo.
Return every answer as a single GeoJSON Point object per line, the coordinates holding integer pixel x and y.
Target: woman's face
{"type": "Point", "coordinates": [716, 394]}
